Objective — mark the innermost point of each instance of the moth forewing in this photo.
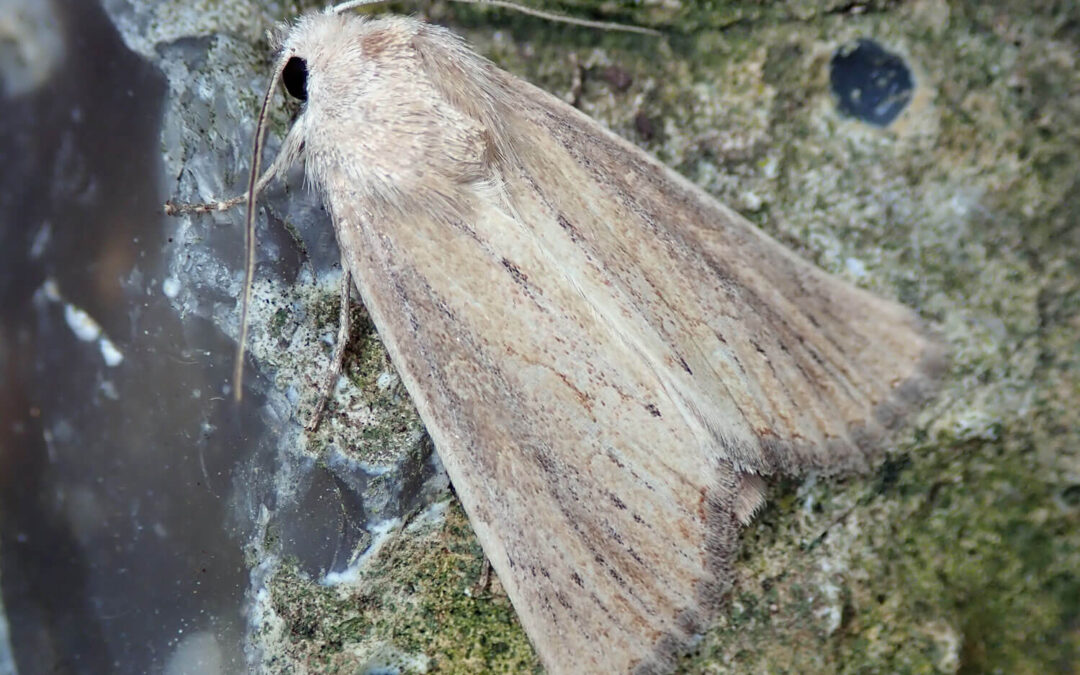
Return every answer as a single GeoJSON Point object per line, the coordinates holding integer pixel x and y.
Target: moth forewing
{"type": "Point", "coordinates": [606, 358]}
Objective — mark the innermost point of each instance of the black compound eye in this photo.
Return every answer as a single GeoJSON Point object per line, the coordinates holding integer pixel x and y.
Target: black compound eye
{"type": "Point", "coordinates": [295, 78]}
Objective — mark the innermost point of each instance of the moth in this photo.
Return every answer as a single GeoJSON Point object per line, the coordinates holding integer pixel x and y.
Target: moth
{"type": "Point", "coordinates": [608, 360]}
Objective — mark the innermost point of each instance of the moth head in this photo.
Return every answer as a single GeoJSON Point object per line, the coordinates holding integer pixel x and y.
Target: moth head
{"type": "Point", "coordinates": [299, 47]}
{"type": "Point", "coordinates": [327, 57]}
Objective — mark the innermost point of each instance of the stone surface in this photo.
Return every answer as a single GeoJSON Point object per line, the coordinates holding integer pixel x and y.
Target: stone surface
{"type": "Point", "coordinates": [263, 547]}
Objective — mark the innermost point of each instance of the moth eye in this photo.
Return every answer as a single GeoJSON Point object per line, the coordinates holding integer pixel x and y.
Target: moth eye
{"type": "Point", "coordinates": [295, 78]}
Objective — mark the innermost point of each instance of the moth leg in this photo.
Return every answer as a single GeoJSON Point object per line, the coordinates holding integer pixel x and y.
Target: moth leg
{"type": "Point", "coordinates": [178, 208]}
{"type": "Point", "coordinates": [484, 582]}
{"type": "Point", "coordinates": [334, 372]}
{"type": "Point", "coordinates": [577, 82]}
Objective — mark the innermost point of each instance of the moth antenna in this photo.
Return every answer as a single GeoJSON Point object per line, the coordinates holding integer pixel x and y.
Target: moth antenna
{"type": "Point", "coordinates": [352, 4]}
{"type": "Point", "coordinates": [528, 11]}
{"type": "Point", "coordinates": [249, 230]}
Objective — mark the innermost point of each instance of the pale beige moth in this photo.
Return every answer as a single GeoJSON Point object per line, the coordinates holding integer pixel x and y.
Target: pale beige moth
{"type": "Point", "coordinates": [608, 360]}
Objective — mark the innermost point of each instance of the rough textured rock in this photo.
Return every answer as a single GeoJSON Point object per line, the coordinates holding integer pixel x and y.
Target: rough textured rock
{"type": "Point", "coordinates": [958, 555]}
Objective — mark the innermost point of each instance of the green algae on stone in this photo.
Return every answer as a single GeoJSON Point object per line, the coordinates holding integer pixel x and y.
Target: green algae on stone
{"type": "Point", "coordinates": [415, 606]}
{"type": "Point", "coordinates": [958, 563]}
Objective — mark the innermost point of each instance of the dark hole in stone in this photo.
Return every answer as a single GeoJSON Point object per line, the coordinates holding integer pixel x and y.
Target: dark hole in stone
{"type": "Point", "coordinates": [870, 83]}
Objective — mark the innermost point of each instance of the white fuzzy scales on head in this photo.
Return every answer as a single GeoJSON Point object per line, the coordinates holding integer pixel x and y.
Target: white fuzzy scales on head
{"type": "Point", "coordinates": [376, 119]}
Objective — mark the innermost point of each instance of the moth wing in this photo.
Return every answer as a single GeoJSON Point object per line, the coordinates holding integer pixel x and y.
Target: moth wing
{"type": "Point", "coordinates": [785, 366]}
{"type": "Point", "coordinates": [606, 516]}
{"type": "Point", "coordinates": [605, 357]}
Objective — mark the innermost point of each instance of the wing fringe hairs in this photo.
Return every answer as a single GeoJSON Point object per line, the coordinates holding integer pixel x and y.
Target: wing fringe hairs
{"type": "Point", "coordinates": [607, 359]}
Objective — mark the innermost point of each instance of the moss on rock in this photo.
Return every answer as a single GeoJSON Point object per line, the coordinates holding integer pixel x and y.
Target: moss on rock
{"type": "Point", "coordinates": [417, 606]}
